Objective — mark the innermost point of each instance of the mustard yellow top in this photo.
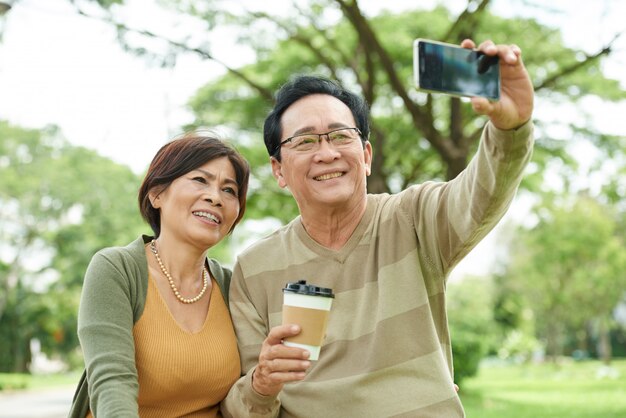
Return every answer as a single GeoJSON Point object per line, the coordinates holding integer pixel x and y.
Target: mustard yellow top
{"type": "Point", "coordinates": [182, 373]}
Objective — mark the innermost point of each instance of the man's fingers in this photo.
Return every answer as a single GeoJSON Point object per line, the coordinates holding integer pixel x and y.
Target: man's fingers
{"type": "Point", "coordinates": [488, 47]}
{"type": "Point", "coordinates": [280, 351]}
{"type": "Point", "coordinates": [468, 43]}
{"type": "Point", "coordinates": [482, 106]}
{"type": "Point", "coordinates": [269, 367]}
{"type": "Point", "coordinates": [279, 378]}
{"type": "Point", "coordinates": [507, 54]}
{"type": "Point", "coordinates": [279, 364]}
{"type": "Point", "coordinates": [280, 332]}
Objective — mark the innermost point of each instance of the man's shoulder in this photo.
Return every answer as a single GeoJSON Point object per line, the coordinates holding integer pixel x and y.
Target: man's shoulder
{"type": "Point", "coordinates": [392, 200]}
{"type": "Point", "coordinates": [272, 242]}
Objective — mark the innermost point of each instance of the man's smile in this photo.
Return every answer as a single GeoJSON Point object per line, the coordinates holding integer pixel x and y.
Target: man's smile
{"type": "Point", "coordinates": [328, 176]}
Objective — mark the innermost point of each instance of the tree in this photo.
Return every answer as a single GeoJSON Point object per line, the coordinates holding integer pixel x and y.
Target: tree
{"type": "Point", "coordinates": [415, 136]}
{"type": "Point", "coordinates": [570, 268]}
{"type": "Point", "coordinates": [472, 334]}
{"type": "Point", "coordinates": [59, 204]}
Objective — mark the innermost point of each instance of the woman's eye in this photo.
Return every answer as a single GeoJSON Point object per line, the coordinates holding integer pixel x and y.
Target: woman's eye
{"type": "Point", "coordinates": [231, 191]}
{"type": "Point", "coordinates": [200, 179]}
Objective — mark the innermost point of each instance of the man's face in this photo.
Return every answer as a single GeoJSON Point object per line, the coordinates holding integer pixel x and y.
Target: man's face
{"type": "Point", "coordinates": [325, 177]}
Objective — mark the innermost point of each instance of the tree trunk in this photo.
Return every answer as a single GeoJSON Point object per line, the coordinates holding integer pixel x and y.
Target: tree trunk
{"type": "Point", "coordinates": [604, 345]}
{"type": "Point", "coordinates": [377, 181]}
{"type": "Point", "coordinates": [554, 347]}
{"type": "Point", "coordinates": [457, 161]}
{"type": "Point", "coordinates": [455, 166]}
{"type": "Point", "coordinates": [22, 356]}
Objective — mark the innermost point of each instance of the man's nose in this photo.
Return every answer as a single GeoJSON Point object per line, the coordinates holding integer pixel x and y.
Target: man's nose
{"type": "Point", "coordinates": [326, 148]}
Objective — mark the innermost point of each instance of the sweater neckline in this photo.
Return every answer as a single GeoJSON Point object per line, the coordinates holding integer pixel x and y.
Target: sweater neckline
{"type": "Point", "coordinates": [341, 254]}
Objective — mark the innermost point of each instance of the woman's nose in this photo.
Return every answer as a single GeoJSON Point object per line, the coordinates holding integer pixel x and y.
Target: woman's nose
{"type": "Point", "coordinates": [211, 195]}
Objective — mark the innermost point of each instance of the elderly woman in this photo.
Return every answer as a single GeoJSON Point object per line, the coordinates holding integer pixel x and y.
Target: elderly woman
{"type": "Point", "coordinates": [153, 321]}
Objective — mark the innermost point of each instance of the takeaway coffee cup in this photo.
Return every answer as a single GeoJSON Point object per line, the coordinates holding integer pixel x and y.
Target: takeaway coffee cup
{"type": "Point", "coordinates": [308, 306]}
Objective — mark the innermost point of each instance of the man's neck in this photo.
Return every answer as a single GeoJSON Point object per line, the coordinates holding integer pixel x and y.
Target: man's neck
{"type": "Point", "coordinates": [333, 227]}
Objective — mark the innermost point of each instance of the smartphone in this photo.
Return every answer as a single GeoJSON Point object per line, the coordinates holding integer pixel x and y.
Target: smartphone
{"type": "Point", "coordinates": [444, 68]}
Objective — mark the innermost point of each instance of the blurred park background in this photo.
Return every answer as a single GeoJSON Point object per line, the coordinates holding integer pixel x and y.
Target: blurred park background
{"type": "Point", "coordinates": [89, 90]}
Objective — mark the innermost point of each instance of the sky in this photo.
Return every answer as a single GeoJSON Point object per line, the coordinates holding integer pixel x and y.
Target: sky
{"type": "Point", "coordinates": [57, 67]}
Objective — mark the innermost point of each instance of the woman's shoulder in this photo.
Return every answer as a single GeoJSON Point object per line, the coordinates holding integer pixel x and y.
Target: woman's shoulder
{"type": "Point", "coordinates": [125, 266]}
{"type": "Point", "coordinates": [131, 253]}
{"type": "Point", "coordinates": [123, 261]}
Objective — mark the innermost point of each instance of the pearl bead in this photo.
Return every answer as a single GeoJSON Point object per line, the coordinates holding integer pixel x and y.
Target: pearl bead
{"type": "Point", "coordinates": [205, 276]}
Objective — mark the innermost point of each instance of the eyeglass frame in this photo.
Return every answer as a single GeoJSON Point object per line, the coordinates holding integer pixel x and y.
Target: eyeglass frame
{"type": "Point", "coordinates": [358, 131]}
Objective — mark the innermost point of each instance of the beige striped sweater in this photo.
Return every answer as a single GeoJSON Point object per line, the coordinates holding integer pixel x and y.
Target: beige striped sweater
{"type": "Point", "coordinates": [387, 350]}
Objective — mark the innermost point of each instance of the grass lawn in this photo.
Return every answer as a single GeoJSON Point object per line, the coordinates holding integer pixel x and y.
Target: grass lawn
{"type": "Point", "coordinates": [17, 381]}
{"type": "Point", "coordinates": [573, 390]}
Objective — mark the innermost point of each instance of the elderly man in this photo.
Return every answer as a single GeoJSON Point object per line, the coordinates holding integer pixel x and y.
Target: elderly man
{"type": "Point", "coordinates": [387, 349]}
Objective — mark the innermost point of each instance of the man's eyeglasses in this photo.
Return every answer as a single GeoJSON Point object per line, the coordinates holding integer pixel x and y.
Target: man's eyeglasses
{"type": "Point", "coordinates": [308, 142]}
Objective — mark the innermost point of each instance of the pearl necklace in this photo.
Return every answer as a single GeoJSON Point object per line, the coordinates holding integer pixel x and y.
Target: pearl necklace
{"type": "Point", "coordinates": [205, 275]}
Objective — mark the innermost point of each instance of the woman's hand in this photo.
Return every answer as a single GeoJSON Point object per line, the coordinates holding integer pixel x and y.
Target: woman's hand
{"type": "Point", "coordinates": [279, 364]}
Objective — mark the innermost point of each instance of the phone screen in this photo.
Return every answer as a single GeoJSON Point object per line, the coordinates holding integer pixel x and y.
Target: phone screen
{"type": "Point", "coordinates": [455, 70]}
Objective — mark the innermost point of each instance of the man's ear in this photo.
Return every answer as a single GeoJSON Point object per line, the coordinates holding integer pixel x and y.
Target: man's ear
{"type": "Point", "coordinates": [367, 155]}
{"type": "Point", "coordinates": [277, 171]}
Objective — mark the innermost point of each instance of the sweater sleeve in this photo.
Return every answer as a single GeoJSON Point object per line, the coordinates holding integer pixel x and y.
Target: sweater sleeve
{"type": "Point", "coordinates": [242, 400]}
{"type": "Point", "coordinates": [451, 218]}
{"type": "Point", "coordinates": [105, 330]}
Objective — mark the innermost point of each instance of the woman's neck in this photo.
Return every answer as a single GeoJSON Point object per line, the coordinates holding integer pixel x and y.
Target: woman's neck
{"type": "Point", "coordinates": [183, 261]}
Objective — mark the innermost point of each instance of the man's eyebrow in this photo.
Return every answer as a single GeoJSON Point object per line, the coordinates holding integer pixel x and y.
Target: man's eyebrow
{"type": "Point", "coordinates": [309, 129]}
{"type": "Point", "coordinates": [211, 176]}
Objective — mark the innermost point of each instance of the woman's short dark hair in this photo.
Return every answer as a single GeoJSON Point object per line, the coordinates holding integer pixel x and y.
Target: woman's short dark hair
{"type": "Point", "coordinates": [305, 85]}
{"type": "Point", "coordinates": [179, 157]}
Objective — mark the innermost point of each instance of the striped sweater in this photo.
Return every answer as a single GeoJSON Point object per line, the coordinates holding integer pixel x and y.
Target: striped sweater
{"type": "Point", "coordinates": [387, 350]}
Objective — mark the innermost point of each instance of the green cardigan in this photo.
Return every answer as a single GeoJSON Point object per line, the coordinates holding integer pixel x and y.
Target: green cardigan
{"type": "Point", "coordinates": [116, 285]}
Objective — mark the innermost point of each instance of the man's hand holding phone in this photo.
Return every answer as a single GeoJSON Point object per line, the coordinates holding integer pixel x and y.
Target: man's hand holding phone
{"type": "Point", "coordinates": [515, 106]}
{"type": "Point", "coordinates": [493, 76]}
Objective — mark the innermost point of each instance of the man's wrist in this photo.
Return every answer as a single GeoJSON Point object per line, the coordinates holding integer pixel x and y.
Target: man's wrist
{"type": "Point", "coordinates": [259, 393]}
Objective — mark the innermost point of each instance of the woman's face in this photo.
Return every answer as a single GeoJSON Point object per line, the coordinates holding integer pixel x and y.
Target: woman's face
{"type": "Point", "coordinates": [201, 206]}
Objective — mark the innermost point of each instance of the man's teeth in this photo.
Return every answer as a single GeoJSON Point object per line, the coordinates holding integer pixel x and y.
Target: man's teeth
{"type": "Point", "coordinates": [328, 176]}
{"type": "Point", "coordinates": [207, 215]}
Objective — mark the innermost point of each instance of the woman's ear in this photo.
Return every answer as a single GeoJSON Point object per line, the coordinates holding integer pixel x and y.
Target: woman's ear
{"type": "Point", "coordinates": [155, 198]}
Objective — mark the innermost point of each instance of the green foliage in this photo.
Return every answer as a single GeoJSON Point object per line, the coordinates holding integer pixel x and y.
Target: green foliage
{"type": "Point", "coordinates": [470, 316]}
{"type": "Point", "coordinates": [310, 43]}
{"type": "Point", "coordinates": [60, 204]}
{"type": "Point", "coordinates": [550, 271]}
{"type": "Point", "coordinates": [325, 38]}
{"type": "Point", "coordinates": [573, 257]}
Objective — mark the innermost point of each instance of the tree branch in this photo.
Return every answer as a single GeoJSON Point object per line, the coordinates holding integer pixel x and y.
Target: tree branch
{"type": "Point", "coordinates": [367, 84]}
{"type": "Point", "coordinates": [420, 118]}
{"type": "Point", "coordinates": [264, 92]}
{"type": "Point", "coordinates": [306, 42]}
{"type": "Point", "coordinates": [463, 26]}
{"type": "Point", "coordinates": [552, 80]}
